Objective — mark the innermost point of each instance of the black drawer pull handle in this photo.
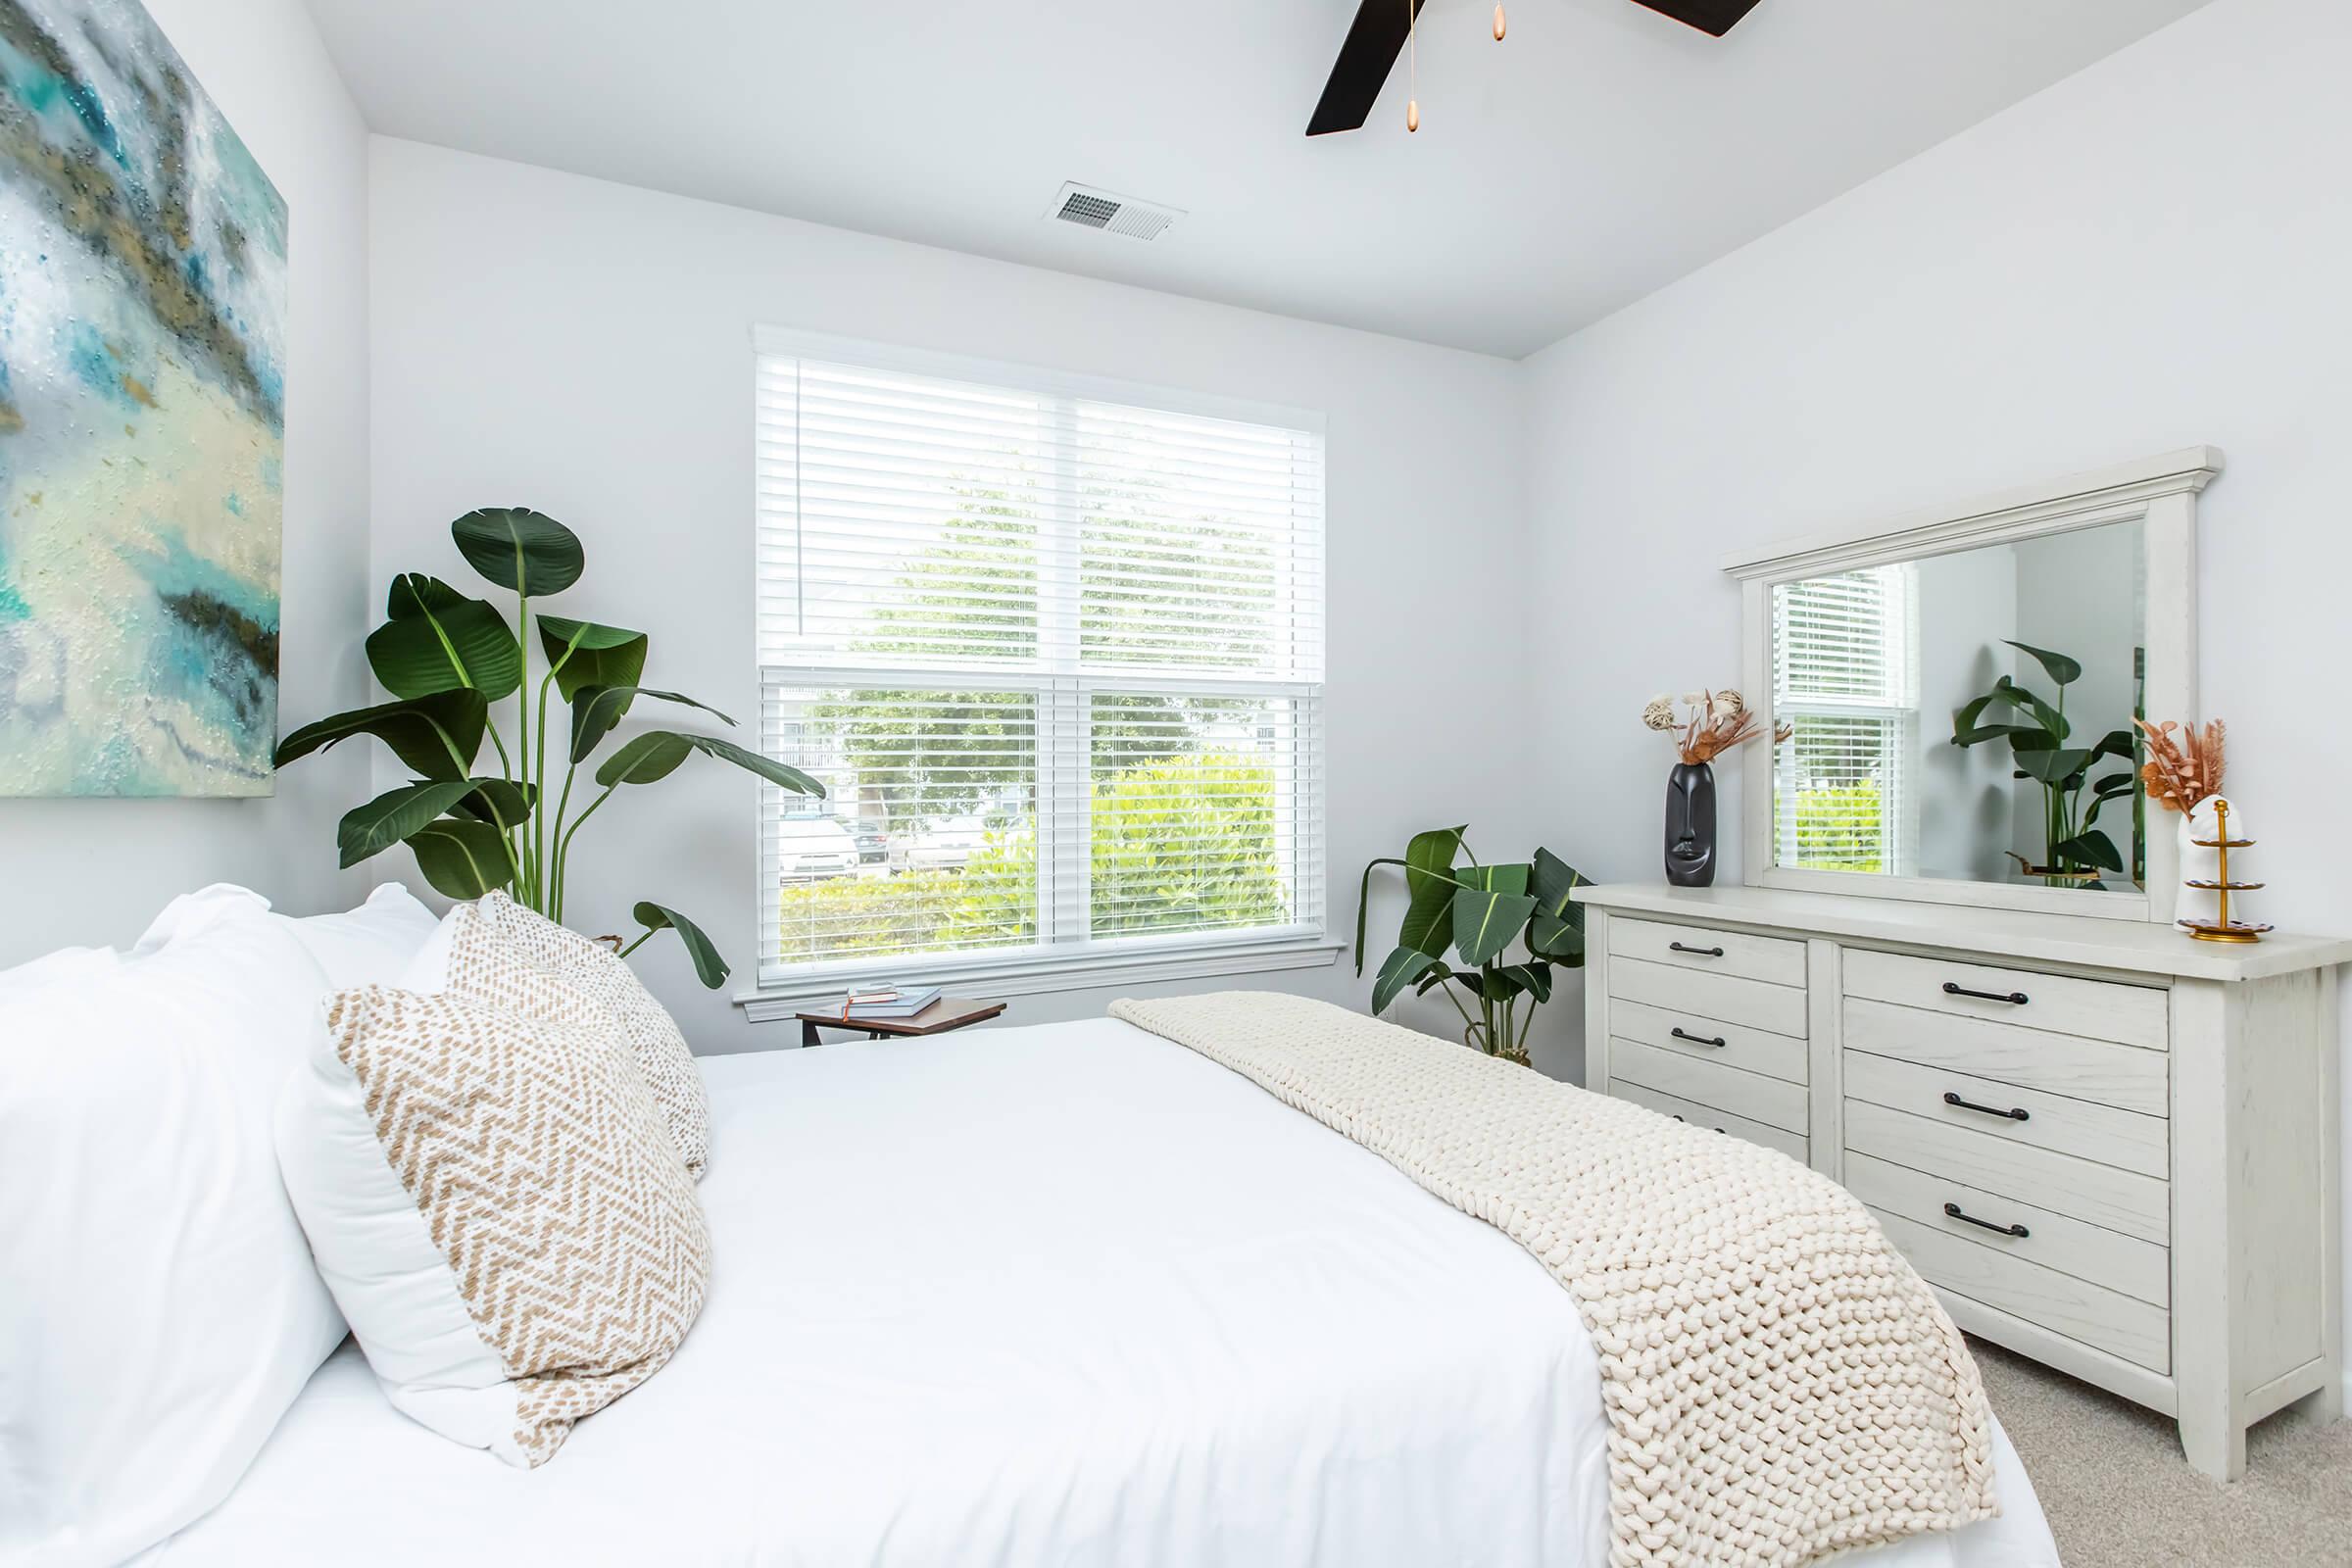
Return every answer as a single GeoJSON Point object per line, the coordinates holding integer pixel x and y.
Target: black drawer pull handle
{"type": "Point", "coordinates": [1956, 1213]}
{"type": "Point", "coordinates": [2014, 1114]}
{"type": "Point", "coordinates": [1678, 1116]}
{"type": "Point", "coordinates": [2014, 998]}
{"type": "Point", "coordinates": [1697, 1040]}
{"type": "Point", "coordinates": [1704, 952]}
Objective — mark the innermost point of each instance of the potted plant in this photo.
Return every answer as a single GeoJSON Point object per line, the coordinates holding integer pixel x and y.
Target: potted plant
{"type": "Point", "coordinates": [447, 660]}
{"type": "Point", "coordinates": [2075, 850]}
{"type": "Point", "coordinates": [1458, 922]}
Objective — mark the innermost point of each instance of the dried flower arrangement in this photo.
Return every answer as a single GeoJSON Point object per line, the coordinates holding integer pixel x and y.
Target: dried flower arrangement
{"type": "Point", "coordinates": [1718, 721]}
{"type": "Point", "coordinates": [2184, 767]}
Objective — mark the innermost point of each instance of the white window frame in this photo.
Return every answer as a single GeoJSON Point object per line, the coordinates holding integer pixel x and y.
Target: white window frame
{"type": "Point", "coordinates": [1898, 827]}
{"type": "Point", "coordinates": [1305, 942]}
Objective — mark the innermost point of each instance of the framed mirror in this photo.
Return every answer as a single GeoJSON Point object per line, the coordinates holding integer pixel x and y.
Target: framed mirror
{"type": "Point", "coordinates": [1953, 696]}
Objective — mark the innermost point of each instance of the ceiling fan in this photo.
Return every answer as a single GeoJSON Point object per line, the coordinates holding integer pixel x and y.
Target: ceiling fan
{"type": "Point", "coordinates": [1380, 28]}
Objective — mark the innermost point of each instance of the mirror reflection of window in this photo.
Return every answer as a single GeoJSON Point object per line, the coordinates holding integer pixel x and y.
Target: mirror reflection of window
{"type": "Point", "coordinates": [1845, 681]}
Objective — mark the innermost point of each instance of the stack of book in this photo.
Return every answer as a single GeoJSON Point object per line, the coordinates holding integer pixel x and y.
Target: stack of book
{"type": "Point", "coordinates": [894, 1003]}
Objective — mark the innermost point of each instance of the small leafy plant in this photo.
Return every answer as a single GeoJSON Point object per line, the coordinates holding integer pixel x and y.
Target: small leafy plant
{"type": "Point", "coordinates": [2076, 850]}
{"type": "Point", "coordinates": [447, 659]}
{"type": "Point", "coordinates": [1475, 912]}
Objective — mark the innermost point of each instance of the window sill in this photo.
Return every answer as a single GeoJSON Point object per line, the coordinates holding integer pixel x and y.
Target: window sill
{"type": "Point", "coordinates": [1029, 974]}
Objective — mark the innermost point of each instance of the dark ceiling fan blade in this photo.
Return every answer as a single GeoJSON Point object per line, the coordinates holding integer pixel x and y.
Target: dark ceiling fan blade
{"type": "Point", "coordinates": [1717, 16]}
{"type": "Point", "coordinates": [1374, 40]}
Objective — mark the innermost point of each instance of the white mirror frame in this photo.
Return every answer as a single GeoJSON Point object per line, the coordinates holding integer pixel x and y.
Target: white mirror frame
{"type": "Point", "coordinates": [2159, 493]}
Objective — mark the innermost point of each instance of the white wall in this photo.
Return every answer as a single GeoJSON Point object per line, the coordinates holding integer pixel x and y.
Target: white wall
{"type": "Point", "coordinates": [92, 871]}
{"type": "Point", "coordinates": [585, 348]}
{"type": "Point", "coordinates": [2149, 255]}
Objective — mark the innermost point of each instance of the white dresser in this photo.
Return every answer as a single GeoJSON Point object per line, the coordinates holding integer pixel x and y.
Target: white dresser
{"type": "Point", "coordinates": [2107, 1145]}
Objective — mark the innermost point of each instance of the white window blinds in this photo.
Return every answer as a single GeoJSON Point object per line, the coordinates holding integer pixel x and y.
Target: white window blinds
{"type": "Point", "coordinates": [1057, 657]}
{"type": "Point", "coordinates": [1844, 681]}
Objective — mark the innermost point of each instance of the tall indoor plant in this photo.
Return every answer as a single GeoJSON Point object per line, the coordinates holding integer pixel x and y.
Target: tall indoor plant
{"type": "Point", "coordinates": [1474, 912]}
{"type": "Point", "coordinates": [2076, 850]}
{"type": "Point", "coordinates": [447, 660]}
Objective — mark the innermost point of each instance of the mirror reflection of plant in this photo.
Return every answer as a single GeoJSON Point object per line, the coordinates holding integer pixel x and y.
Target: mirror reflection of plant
{"type": "Point", "coordinates": [1476, 912]}
{"type": "Point", "coordinates": [446, 659]}
{"type": "Point", "coordinates": [2037, 731]}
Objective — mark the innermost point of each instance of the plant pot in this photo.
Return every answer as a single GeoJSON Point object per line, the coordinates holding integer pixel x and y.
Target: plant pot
{"type": "Point", "coordinates": [1690, 825]}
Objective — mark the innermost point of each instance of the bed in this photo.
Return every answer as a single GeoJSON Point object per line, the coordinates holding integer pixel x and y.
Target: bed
{"type": "Point", "coordinates": [1067, 1294]}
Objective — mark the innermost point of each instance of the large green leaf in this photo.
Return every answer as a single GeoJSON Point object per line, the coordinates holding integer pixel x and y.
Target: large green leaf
{"type": "Point", "coordinates": [520, 548]}
{"type": "Point", "coordinates": [709, 966]}
{"type": "Point", "coordinates": [584, 654]}
{"type": "Point", "coordinates": [1429, 919]}
{"type": "Point", "coordinates": [1558, 929]}
{"type": "Point", "coordinates": [497, 800]}
{"type": "Point", "coordinates": [1431, 853]}
{"type": "Point", "coordinates": [2090, 849]}
{"type": "Point", "coordinates": [1484, 922]}
{"type": "Point", "coordinates": [460, 857]}
{"type": "Point", "coordinates": [388, 820]}
{"type": "Point", "coordinates": [439, 640]}
{"type": "Point", "coordinates": [2062, 669]}
{"type": "Point", "coordinates": [2055, 764]}
{"type": "Point", "coordinates": [436, 735]}
{"type": "Point", "coordinates": [2007, 695]}
{"type": "Point", "coordinates": [1508, 877]}
{"type": "Point", "coordinates": [596, 709]}
{"type": "Point", "coordinates": [1532, 978]}
{"type": "Point", "coordinates": [1399, 970]}
{"type": "Point", "coordinates": [657, 753]}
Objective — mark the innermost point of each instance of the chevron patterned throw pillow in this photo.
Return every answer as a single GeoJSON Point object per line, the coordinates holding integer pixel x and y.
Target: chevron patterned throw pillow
{"type": "Point", "coordinates": [492, 1195]}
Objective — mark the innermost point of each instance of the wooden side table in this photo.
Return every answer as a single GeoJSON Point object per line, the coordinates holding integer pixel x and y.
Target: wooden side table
{"type": "Point", "coordinates": [937, 1019]}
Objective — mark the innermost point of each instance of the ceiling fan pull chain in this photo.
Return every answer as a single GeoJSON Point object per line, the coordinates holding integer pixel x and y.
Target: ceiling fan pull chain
{"type": "Point", "coordinates": [1412, 80]}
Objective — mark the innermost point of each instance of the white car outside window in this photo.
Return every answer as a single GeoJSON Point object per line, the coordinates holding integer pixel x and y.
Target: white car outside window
{"type": "Point", "coordinates": [811, 845]}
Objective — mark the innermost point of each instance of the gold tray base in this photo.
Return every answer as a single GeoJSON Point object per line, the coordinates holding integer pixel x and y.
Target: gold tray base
{"type": "Point", "coordinates": [2205, 931]}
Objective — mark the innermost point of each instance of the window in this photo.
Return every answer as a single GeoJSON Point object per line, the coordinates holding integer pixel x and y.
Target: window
{"type": "Point", "coordinates": [1056, 653]}
{"type": "Point", "coordinates": [1844, 679]}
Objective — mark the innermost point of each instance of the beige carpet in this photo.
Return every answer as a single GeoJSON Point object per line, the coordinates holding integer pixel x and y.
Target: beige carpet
{"type": "Point", "coordinates": [2119, 1494]}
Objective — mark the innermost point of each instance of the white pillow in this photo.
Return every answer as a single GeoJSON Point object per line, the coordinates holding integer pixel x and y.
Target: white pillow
{"type": "Point", "coordinates": [372, 945]}
{"type": "Point", "coordinates": [492, 1195]}
{"type": "Point", "coordinates": [159, 1311]}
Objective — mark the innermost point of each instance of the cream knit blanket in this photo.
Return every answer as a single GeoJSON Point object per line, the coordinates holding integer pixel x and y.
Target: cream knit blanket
{"type": "Point", "coordinates": [1780, 1384]}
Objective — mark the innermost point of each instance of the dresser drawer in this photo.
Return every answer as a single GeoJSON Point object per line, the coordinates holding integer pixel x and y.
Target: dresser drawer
{"type": "Point", "coordinates": [2136, 1015]}
{"type": "Point", "coordinates": [1733, 1045]}
{"type": "Point", "coordinates": [1694, 992]}
{"type": "Point", "coordinates": [1750, 1095]}
{"type": "Point", "coordinates": [2101, 1195]}
{"type": "Point", "coordinates": [1795, 1145]}
{"type": "Point", "coordinates": [2096, 1070]}
{"type": "Point", "coordinates": [2025, 1116]}
{"type": "Point", "coordinates": [2092, 1314]}
{"type": "Point", "coordinates": [2139, 1269]}
{"type": "Point", "coordinates": [1774, 959]}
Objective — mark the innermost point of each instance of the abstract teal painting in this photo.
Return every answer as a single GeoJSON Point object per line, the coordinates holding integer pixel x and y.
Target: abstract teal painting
{"type": "Point", "coordinates": [142, 418]}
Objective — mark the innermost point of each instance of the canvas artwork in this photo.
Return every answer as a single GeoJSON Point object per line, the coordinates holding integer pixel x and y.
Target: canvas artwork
{"type": "Point", "coordinates": [142, 418]}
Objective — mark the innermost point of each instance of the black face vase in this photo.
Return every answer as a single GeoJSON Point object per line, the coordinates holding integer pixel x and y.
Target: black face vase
{"type": "Point", "coordinates": [1690, 825]}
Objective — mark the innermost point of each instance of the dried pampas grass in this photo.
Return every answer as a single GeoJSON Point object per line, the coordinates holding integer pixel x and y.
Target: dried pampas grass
{"type": "Point", "coordinates": [2185, 764]}
{"type": "Point", "coordinates": [1719, 721]}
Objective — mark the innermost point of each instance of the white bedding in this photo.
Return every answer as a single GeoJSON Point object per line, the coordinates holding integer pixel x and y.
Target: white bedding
{"type": "Point", "coordinates": [1059, 1294]}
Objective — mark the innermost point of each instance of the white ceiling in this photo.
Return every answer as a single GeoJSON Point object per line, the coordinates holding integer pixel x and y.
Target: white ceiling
{"type": "Point", "coordinates": [1598, 153]}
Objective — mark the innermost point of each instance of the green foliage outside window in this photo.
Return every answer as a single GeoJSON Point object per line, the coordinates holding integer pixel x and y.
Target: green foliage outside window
{"type": "Point", "coordinates": [1180, 842]}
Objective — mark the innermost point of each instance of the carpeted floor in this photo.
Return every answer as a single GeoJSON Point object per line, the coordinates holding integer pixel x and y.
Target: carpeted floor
{"type": "Point", "coordinates": [2119, 1494]}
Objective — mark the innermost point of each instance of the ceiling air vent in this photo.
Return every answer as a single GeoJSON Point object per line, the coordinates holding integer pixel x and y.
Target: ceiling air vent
{"type": "Point", "coordinates": [1090, 208]}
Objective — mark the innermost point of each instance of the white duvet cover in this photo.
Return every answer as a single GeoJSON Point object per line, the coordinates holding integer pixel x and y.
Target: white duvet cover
{"type": "Point", "coordinates": [1060, 1295]}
